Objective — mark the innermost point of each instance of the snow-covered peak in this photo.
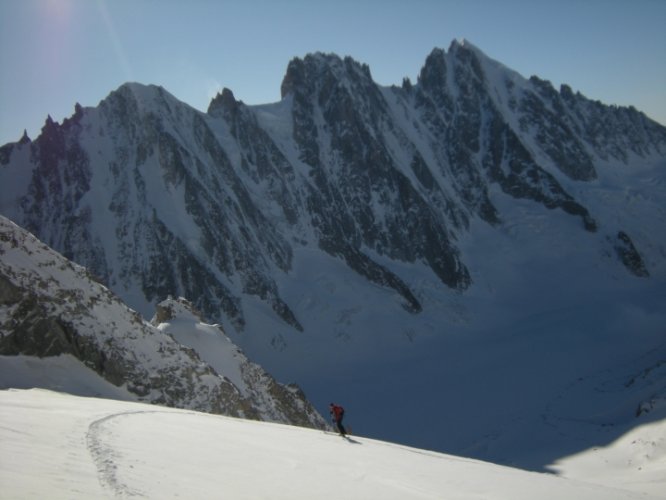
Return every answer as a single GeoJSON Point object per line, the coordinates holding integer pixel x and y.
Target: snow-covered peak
{"type": "Point", "coordinates": [224, 100]}
{"type": "Point", "coordinates": [141, 91]}
{"type": "Point", "coordinates": [133, 100]}
{"type": "Point", "coordinates": [322, 70]}
{"type": "Point", "coordinates": [494, 71]}
{"type": "Point", "coordinates": [464, 43]}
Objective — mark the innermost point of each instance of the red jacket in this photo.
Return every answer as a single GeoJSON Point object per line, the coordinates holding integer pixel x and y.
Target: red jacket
{"type": "Point", "coordinates": [337, 412]}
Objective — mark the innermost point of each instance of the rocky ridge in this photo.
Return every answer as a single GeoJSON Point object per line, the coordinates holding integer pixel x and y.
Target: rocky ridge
{"type": "Point", "coordinates": [50, 306]}
{"type": "Point", "coordinates": [158, 199]}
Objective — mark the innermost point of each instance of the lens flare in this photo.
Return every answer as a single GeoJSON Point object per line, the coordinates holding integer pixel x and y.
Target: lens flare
{"type": "Point", "coordinates": [112, 33]}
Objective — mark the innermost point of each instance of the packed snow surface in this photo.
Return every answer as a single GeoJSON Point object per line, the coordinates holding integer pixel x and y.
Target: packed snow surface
{"type": "Point", "coordinates": [61, 446]}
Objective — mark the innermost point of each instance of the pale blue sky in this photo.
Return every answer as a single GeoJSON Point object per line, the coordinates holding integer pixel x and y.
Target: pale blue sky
{"type": "Point", "coordinates": [54, 53]}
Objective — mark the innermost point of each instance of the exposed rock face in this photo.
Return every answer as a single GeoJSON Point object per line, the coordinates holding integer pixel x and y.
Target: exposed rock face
{"type": "Point", "coordinates": [361, 197]}
{"type": "Point", "coordinates": [158, 199]}
{"type": "Point", "coordinates": [630, 257]}
{"type": "Point", "coordinates": [260, 391]}
{"type": "Point", "coordinates": [50, 306]}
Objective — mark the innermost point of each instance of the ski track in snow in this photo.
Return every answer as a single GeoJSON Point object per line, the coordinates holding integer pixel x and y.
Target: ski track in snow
{"type": "Point", "coordinates": [106, 457]}
{"type": "Point", "coordinates": [72, 447]}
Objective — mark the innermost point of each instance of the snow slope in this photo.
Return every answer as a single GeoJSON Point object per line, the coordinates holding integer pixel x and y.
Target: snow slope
{"type": "Point", "coordinates": [60, 446]}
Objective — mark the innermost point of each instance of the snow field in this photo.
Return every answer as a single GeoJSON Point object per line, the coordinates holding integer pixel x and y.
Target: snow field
{"type": "Point", "coordinates": [60, 446]}
{"type": "Point", "coordinates": [636, 461]}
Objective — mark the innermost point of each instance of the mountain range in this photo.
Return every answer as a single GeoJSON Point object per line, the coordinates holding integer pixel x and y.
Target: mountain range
{"type": "Point", "coordinates": [455, 258]}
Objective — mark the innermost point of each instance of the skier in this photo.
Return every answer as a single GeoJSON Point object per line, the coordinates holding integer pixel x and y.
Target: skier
{"type": "Point", "coordinates": [337, 412]}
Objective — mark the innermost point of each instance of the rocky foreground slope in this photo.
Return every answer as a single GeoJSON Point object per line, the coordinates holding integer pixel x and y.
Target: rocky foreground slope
{"type": "Point", "coordinates": [50, 307]}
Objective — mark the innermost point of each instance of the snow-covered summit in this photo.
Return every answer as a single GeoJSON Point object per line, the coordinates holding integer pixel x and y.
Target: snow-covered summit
{"type": "Point", "coordinates": [464, 43]}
